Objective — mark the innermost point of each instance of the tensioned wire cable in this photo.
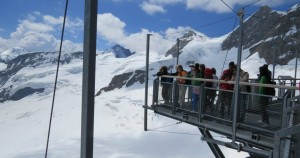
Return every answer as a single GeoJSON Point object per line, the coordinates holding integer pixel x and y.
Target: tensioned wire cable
{"type": "Point", "coordinates": [168, 125]}
{"type": "Point", "coordinates": [183, 48]}
{"type": "Point", "coordinates": [55, 84]}
{"type": "Point", "coordinates": [229, 7]}
{"type": "Point", "coordinates": [164, 126]}
{"type": "Point", "coordinates": [202, 26]}
{"type": "Point", "coordinates": [230, 40]}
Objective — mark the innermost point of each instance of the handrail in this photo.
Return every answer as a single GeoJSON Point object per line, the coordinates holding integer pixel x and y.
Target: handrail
{"type": "Point", "coordinates": [233, 82]}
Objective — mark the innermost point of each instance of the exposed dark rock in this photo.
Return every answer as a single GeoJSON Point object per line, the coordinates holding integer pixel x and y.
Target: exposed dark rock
{"type": "Point", "coordinates": [29, 60]}
{"type": "Point", "coordinates": [139, 76]}
{"type": "Point", "coordinates": [4, 94]}
{"type": "Point", "coordinates": [184, 40]}
{"type": "Point", "coordinates": [120, 52]}
{"type": "Point", "coordinates": [25, 92]}
{"type": "Point", "coordinates": [268, 32]}
{"type": "Point", "coordinates": [33, 60]}
{"type": "Point", "coordinates": [127, 79]}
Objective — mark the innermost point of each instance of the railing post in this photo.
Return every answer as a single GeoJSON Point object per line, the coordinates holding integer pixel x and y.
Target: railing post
{"type": "Point", "coordinates": [155, 91]}
{"type": "Point", "coordinates": [284, 114]}
{"type": "Point", "coordinates": [146, 82]}
{"type": "Point", "coordinates": [201, 103]}
{"type": "Point", "coordinates": [175, 96]}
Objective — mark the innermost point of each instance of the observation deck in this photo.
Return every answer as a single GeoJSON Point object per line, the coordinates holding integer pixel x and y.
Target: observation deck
{"type": "Point", "coordinates": [243, 122]}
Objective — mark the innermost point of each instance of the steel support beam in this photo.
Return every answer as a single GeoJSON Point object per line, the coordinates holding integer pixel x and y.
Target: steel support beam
{"type": "Point", "coordinates": [88, 78]}
{"type": "Point", "coordinates": [213, 147]}
{"type": "Point", "coordinates": [237, 77]}
{"type": "Point", "coordinates": [146, 82]}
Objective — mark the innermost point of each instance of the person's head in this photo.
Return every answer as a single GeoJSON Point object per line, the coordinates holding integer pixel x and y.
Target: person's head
{"type": "Point", "coordinates": [192, 66]}
{"type": "Point", "coordinates": [202, 67]}
{"type": "Point", "coordinates": [197, 65]}
{"type": "Point", "coordinates": [179, 68]}
{"type": "Point", "coordinates": [233, 69]}
{"type": "Point", "coordinates": [213, 71]}
{"type": "Point", "coordinates": [263, 71]}
{"type": "Point", "coordinates": [163, 69]}
{"type": "Point", "coordinates": [195, 70]}
{"type": "Point", "coordinates": [231, 65]}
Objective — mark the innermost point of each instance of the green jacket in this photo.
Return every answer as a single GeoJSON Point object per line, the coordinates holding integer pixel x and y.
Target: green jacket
{"type": "Point", "coordinates": [196, 82]}
{"type": "Point", "coordinates": [263, 80]}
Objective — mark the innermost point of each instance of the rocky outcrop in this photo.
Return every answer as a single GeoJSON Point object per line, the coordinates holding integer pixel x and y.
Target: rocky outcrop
{"type": "Point", "coordinates": [270, 33]}
{"type": "Point", "coordinates": [125, 79]}
{"type": "Point", "coordinates": [21, 93]}
{"type": "Point", "coordinates": [34, 60]}
{"type": "Point", "coordinates": [8, 84]}
{"type": "Point", "coordinates": [119, 51]}
{"type": "Point", "coordinates": [184, 40]}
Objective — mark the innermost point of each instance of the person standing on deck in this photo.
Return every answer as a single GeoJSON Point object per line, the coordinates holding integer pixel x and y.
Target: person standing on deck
{"type": "Point", "coordinates": [263, 100]}
{"type": "Point", "coordinates": [244, 77]}
{"type": "Point", "coordinates": [182, 88]}
{"type": "Point", "coordinates": [226, 93]}
{"type": "Point", "coordinates": [165, 83]}
{"type": "Point", "coordinates": [195, 89]}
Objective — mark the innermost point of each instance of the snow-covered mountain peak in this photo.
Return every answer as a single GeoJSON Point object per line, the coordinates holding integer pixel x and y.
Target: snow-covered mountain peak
{"type": "Point", "coordinates": [294, 8]}
{"type": "Point", "coordinates": [191, 35]}
{"type": "Point", "coordinates": [12, 53]}
{"type": "Point", "coordinates": [119, 51]}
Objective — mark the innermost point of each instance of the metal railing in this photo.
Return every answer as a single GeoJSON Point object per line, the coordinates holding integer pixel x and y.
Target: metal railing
{"type": "Point", "coordinates": [266, 115]}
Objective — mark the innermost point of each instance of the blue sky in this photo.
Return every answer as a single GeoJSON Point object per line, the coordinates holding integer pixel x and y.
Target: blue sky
{"type": "Point", "coordinates": [36, 24]}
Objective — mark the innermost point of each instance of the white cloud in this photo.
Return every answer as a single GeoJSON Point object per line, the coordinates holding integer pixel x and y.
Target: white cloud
{"type": "Point", "coordinates": [174, 33]}
{"type": "Point", "coordinates": [69, 46]}
{"type": "Point", "coordinates": [137, 42]}
{"type": "Point", "coordinates": [208, 5]}
{"type": "Point", "coordinates": [27, 25]}
{"type": "Point", "coordinates": [52, 20]}
{"type": "Point", "coordinates": [110, 27]}
{"type": "Point", "coordinates": [41, 33]}
{"type": "Point", "coordinates": [165, 1]}
{"type": "Point", "coordinates": [151, 9]}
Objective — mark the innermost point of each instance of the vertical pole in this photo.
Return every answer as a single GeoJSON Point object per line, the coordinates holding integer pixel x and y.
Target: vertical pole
{"type": "Point", "coordinates": [88, 78]}
{"type": "Point", "coordinates": [146, 82]}
{"type": "Point", "coordinates": [237, 77]}
{"type": "Point", "coordinates": [274, 57]}
{"type": "Point", "coordinates": [177, 51]}
{"type": "Point", "coordinates": [296, 64]}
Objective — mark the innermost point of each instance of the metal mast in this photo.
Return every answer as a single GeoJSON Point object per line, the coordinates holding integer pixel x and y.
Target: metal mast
{"type": "Point", "coordinates": [88, 78]}
{"type": "Point", "coordinates": [237, 77]}
{"type": "Point", "coordinates": [146, 82]}
{"type": "Point", "coordinates": [178, 43]}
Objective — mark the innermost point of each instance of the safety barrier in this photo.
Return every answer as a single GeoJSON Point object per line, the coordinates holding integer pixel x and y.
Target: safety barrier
{"type": "Point", "coordinates": [263, 115]}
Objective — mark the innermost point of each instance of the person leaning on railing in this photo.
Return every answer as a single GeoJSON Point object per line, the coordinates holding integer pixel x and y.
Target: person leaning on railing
{"type": "Point", "coordinates": [244, 77]}
{"type": "Point", "coordinates": [196, 86]}
{"type": "Point", "coordinates": [182, 88]}
{"type": "Point", "coordinates": [263, 100]}
{"type": "Point", "coordinates": [226, 94]}
{"type": "Point", "coordinates": [165, 83]}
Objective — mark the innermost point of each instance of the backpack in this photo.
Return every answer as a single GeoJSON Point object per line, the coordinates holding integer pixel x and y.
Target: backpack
{"type": "Point", "coordinates": [208, 75]}
{"type": "Point", "coordinates": [270, 90]}
{"type": "Point", "coordinates": [248, 87]}
{"type": "Point", "coordinates": [169, 80]}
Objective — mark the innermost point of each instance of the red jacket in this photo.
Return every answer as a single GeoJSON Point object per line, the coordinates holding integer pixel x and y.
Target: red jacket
{"type": "Point", "coordinates": [227, 75]}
